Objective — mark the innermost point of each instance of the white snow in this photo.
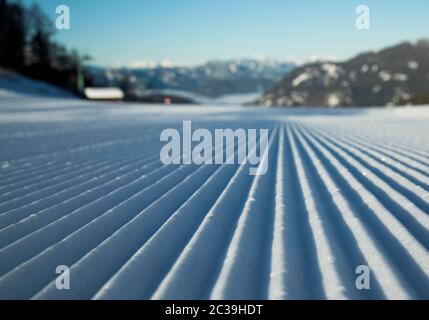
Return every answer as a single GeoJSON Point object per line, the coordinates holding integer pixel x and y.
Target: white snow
{"type": "Point", "coordinates": [12, 83]}
{"type": "Point", "coordinates": [297, 97]}
{"type": "Point", "coordinates": [385, 76]}
{"type": "Point", "coordinates": [104, 93]}
{"type": "Point", "coordinates": [237, 99]}
{"type": "Point", "coordinates": [82, 185]}
{"type": "Point", "coordinates": [333, 100]}
{"type": "Point", "coordinates": [400, 77]}
{"type": "Point", "coordinates": [413, 65]}
{"type": "Point", "coordinates": [331, 69]}
{"type": "Point", "coordinates": [301, 78]}
{"type": "Point", "coordinates": [364, 68]}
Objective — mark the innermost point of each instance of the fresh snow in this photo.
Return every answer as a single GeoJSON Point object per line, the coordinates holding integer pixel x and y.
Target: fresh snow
{"type": "Point", "coordinates": [331, 69]}
{"type": "Point", "coordinates": [413, 65]}
{"type": "Point", "coordinates": [12, 83]}
{"type": "Point", "coordinates": [301, 78]}
{"type": "Point", "coordinates": [333, 100]}
{"type": "Point", "coordinates": [82, 185]}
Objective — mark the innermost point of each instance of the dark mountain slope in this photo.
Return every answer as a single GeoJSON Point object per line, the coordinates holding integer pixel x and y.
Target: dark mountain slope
{"type": "Point", "coordinates": [394, 76]}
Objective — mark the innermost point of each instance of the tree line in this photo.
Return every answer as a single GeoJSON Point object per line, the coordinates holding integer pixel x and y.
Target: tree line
{"type": "Point", "coordinates": [27, 47]}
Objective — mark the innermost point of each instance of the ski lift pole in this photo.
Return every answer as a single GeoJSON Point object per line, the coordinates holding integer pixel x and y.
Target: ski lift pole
{"type": "Point", "coordinates": [80, 80]}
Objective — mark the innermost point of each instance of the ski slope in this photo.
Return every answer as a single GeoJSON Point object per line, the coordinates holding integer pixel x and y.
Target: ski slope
{"type": "Point", "coordinates": [82, 185]}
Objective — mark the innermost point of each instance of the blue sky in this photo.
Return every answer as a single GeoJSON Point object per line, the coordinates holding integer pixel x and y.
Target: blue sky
{"type": "Point", "coordinates": [193, 31]}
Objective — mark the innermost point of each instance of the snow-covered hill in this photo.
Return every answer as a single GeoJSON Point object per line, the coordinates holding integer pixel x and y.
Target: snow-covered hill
{"type": "Point", "coordinates": [397, 75]}
{"type": "Point", "coordinates": [81, 185]}
{"type": "Point", "coordinates": [12, 84]}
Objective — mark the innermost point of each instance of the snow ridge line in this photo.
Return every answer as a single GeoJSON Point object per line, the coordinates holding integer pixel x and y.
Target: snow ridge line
{"type": "Point", "coordinates": [80, 230]}
{"type": "Point", "coordinates": [41, 158]}
{"type": "Point", "coordinates": [416, 175]}
{"type": "Point", "coordinates": [403, 208]}
{"type": "Point", "coordinates": [33, 172]}
{"type": "Point", "coordinates": [390, 143]}
{"type": "Point", "coordinates": [32, 222]}
{"type": "Point", "coordinates": [38, 191]}
{"type": "Point", "coordinates": [336, 195]}
{"type": "Point", "coordinates": [245, 270]}
{"type": "Point", "coordinates": [331, 280]}
{"type": "Point", "coordinates": [169, 204]}
{"type": "Point", "coordinates": [406, 252]}
{"type": "Point", "coordinates": [98, 178]}
{"type": "Point", "coordinates": [360, 249]}
{"type": "Point", "coordinates": [209, 243]}
{"type": "Point", "coordinates": [389, 151]}
{"type": "Point", "coordinates": [84, 221]}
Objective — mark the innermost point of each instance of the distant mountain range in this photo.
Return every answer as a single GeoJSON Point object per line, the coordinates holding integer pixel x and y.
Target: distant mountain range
{"type": "Point", "coordinates": [212, 79]}
{"type": "Point", "coordinates": [397, 75]}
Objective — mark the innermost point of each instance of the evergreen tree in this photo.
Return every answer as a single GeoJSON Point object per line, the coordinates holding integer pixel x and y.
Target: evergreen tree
{"type": "Point", "coordinates": [26, 46]}
{"type": "Point", "coordinates": [12, 35]}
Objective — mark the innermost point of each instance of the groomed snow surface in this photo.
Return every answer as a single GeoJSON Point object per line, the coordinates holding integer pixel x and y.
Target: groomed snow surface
{"type": "Point", "coordinates": [81, 185]}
